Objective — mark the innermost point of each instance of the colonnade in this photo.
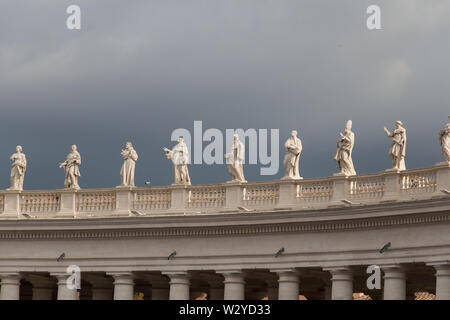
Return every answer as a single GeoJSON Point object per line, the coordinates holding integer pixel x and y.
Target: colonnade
{"type": "Point", "coordinates": [281, 284]}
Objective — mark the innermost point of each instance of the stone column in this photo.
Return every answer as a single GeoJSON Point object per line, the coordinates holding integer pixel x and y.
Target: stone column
{"type": "Point", "coordinates": [42, 287]}
{"type": "Point", "coordinates": [394, 282]}
{"type": "Point", "coordinates": [123, 285]}
{"type": "Point", "coordinates": [288, 284]}
{"type": "Point", "coordinates": [10, 286]}
{"type": "Point", "coordinates": [234, 285]}
{"type": "Point", "coordinates": [64, 293]}
{"type": "Point", "coordinates": [442, 281]}
{"type": "Point", "coordinates": [179, 285]}
{"type": "Point", "coordinates": [341, 283]}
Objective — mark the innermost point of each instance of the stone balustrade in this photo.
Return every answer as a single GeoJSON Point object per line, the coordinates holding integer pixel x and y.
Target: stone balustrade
{"type": "Point", "coordinates": [228, 197]}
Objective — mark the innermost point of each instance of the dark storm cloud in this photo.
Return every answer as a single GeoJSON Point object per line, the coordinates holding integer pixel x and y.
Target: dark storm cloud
{"type": "Point", "coordinates": [140, 69]}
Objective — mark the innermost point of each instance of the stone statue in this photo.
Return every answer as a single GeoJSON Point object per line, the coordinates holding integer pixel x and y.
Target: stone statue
{"type": "Point", "coordinates": [70, 166]}
{"type": "Point", "coordinates": [344, 151]}
{"type": "Point", "coordinates": [234, 160]}
{"type": "Point", "coordinates": [180, 158]}
{"type": "Point", "coordinates": [398, 147]}
{"type": "Point", "coordinates": [19, 166]}
{"type": "Point", "coordinates": [130, 157]}
{"type": "Point", "coordinates": [444, 140]}
{"type": "Point", "coordinates": [293, 147]}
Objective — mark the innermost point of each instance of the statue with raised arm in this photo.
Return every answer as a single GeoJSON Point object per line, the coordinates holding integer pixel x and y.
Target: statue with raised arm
{"type": "Point", "coordinates": [180, 158]}
{"type": "Point", "coordinates": [293, 147]}
{"type": "Point", "coordinates": [72, 172]}
{"type": "Point", "coordinates": [234, 160]}
{"type": "Point", "coordinates": [444, 141]}
{"type": "Point", "coordinates": [19, 166]}
{"type": "Point", "coordinates": [397, 151]}
{"type": "Point", "coordinates": [130, 157]}
{"type": "Point", "coordinates": [344, 151]}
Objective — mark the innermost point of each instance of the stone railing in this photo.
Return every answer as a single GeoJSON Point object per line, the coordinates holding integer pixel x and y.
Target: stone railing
{"type": "Point", "coordinates": [229, 197]}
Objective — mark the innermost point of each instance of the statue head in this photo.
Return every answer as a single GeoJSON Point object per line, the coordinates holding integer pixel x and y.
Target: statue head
{"type": "Point", "coordinates": [180, 140]}
{"type": "Point", "coordinates": [74, 147]}
{"type": "Point", "coordinates": [294, 133]}
{"type": "Point", "coordinates": [398, 123]}
{"type": "Point", "coordinates": [19, 149]}
{"type": "Point", "coordinates": [235, 137]}
{"type": "Point", "coordinates": [129, 145]}
{"type": "Point", "coordinates": [348, 125]}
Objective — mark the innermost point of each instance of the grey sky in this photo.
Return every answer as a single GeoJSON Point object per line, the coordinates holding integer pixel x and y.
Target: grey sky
{"type": "Point", "coordinates": [140, 69]}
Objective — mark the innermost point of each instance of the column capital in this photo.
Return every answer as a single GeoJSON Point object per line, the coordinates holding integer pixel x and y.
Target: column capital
{"type": "Point", "coordinates": [122, 277]}
{"type": "Point", "coordinates": [10, 277]}
{"type": "Point", "coordinates": [178, 277]}
{"type": "Point", "coordinates": [340, 273]}
{"type": "Point", "coordinates": [393, 271]}
{"type": "Point", "coordinates": [232, 276]}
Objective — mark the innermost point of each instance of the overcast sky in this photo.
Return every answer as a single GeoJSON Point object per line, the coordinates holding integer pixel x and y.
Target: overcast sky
{"type": "Point", "coordinates": [139, 69]}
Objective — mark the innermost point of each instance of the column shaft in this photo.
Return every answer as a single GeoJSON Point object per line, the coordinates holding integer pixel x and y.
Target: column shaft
{"type": "Point", "coordinates": [123, 285]}
{"type": "Point", "coordinates": [10, 286]}
{"type": "Point", "coordinates": [234, 286]}
{"type": "Point", "coordinates": [179, 286]}
{"type": "Point", "coordinates": [342, 283]}
{"type": "Point", "coordinates": [442, 282]}
{"type": "Point", "coordinates": [394, 283]}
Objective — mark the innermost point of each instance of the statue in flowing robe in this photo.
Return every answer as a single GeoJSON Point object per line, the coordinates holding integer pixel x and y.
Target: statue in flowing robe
{"type": "Point", "coordinates": [293, 147]}
{"type": "Point", "coordinates": [19, 166]}
{"type": "Point", "coordinates": [397, 151]}
{"type": "Point", "coordinates": [444, 141]}
{"type": "Point", "coordinates": [344, 151]}
{"type": "Point", "coordinates": [130, 157]}
{"type": "Point", "coordinates": [72, 172]}
{"type": "Point", "coordinates": [180, 158]}
{"type": "Point", "coordinates": [234, 160]}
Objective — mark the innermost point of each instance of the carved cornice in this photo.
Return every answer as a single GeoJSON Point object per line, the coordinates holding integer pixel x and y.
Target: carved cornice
{"type": "Point", "coordinates": [229, 230]}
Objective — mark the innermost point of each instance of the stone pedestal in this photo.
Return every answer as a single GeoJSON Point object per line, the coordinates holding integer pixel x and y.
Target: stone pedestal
{"type": "Point", "coordinates": [67, 203]}
{"type": "Point", "coordinates": [442, 177]}
{"type": "Point", "coordinates": [287, 194]}
{"type": "Point", "coordinates": [391, 184]}
{"type": "Point", "coordinates": [10, 286]}
{"type": "Point", "coordinates": [233, 195]}
{"type": "Point", "coordinates": [394, 282]}
{"type": "Point", "coordinates": [11, 204]}
{"type": "Point", "coordinates": [341, 188]}
{"type": "Point", "coordinates": [179, 197]}
{"type": "Point", "coordinates": [123, 201]}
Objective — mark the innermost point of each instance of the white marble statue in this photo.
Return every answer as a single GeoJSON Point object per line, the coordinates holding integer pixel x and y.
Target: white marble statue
{"type": "Point", "coordinates": [71, 170]}
{"type": "Point", "coordinates": [293, 147]}
{"type": "Point", "coordinates": [19, 166]}
{"type": "Point", "coordinates": [398, 147]}
{"type": "Point", "coordinates": [344, 151]}
{"type": "Point", "coordinates": [234, 160]}
{"type": "Point", "coordinates": [180, 158]}
{"type": "Point", "coordinates": [444, 140]}
{"type": "Point", "coordinates": [130, 157]}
